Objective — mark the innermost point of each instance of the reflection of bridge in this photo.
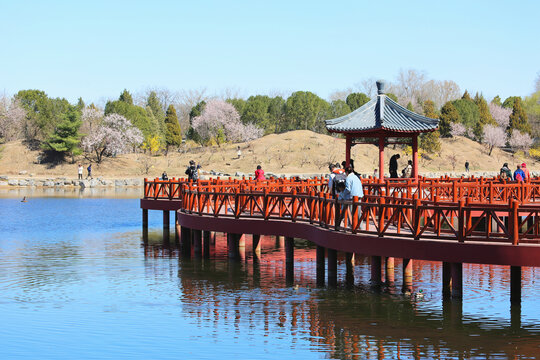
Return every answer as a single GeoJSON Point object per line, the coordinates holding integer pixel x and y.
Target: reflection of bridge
{"type": "Point", "coordinates": [351, 325]}
{"type": "Point", "coordinates": [455, 221]}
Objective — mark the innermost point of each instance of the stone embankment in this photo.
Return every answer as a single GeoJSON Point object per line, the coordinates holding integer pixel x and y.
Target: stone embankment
{"type": "Point", "coordinates": [67, 182]}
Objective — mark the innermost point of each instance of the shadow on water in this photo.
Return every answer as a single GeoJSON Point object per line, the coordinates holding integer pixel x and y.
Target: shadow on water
{"type": "Point", "coordinates": [352, 321]}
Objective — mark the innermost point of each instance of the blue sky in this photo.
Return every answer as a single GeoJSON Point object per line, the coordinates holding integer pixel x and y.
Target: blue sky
{"type": "Point", "coordinates": [95, 49]}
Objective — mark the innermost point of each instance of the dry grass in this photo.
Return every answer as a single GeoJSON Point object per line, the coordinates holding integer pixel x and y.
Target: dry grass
{"type": "Point", "coordinates": [289, 153]}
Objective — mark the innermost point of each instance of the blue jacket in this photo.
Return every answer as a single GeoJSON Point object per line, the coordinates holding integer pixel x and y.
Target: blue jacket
{"type": "Point", "coordinates": [521, 173]}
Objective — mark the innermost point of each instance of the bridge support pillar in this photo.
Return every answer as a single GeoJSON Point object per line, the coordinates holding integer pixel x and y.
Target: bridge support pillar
{"type": "Point", "coordinates": [320, 265]}
{"type": "Point", "coordinates": [166, 225]}
{"type": "Point", "coordinates": [332, 267]}
{"type": "Point", "coordinates": [407, 275]}
{"type": "Point", "coordinates": [457, 280]}
{"type": "Point", "coordinates": [206, 244]}
{"type": "Point", "coordinates": [515, 284]}
{"type": "Point", "coordinates": [185, 240]}
{"type": "Point", "coordinates": [389, 271]}
{"type": "Point", "coordinates": [446, 280]}
{"type": "Point", "coordinates": [233, 245]}
{"type": "Point", "coordinates": [145, 225]}
{"type": "Point", "coordinates": [280, 241]}
{"type": "Point", "coordinates": [376, 270]}
{"type": "Point", "coordinates": [256, 245]}
{"type": "Point", "coordinates": [289, 260]}
{"type": "Point", "coordinates": [197, 243]}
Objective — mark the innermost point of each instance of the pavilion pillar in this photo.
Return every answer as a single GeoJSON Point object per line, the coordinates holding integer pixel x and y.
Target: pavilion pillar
{"type": "Point", "coordinates": [415, 156]}
{"type": "Point", "coordinates": [381, 157]}
{"type": "Point", "coordinates": [348, 144]}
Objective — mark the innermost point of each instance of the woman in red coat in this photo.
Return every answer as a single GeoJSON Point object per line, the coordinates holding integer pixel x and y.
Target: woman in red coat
{"type": "Point", "coordinates": [259, 173]}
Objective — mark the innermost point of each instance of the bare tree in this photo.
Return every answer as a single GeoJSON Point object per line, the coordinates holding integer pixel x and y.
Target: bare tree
{"type": "Point", "coordinates": [12, 117]}
{"type": "Point", "coordinates": [367, 86]}
{"type": "Point", "coordinates": [340, 94]}
{"type": "Point", "coordinates": [409, 85]}
{"type": "Point", "coordinates": [185, 101]}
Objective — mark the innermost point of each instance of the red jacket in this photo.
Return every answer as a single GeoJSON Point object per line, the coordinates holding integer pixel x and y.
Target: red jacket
{"type": "Point", "coordinates": [259, 174]}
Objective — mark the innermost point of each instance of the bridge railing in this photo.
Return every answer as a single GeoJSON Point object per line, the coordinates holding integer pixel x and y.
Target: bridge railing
{"type": "Point", "coordinates": [464, 220]}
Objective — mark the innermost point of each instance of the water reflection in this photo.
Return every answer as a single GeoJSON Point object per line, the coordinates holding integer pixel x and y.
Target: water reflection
{"type": "Point", "coordinates": [352, 321]}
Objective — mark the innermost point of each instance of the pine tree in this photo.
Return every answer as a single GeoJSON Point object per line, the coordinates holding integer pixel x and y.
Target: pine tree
{"type": "Point", "coordinates": [466, 96]}
{"type": "Point", "coordinates": [66, 138]}
{"type": "Point", "coordinates": [173, 134]}
{"type": "Point", "coordinates": [518, 119]}
{"type": "Point", "coordinates": [356, 100]}
{"type": "Point", "coordinates": [485, 117]}
{"type": "Point", "coordinates": [449, 115]}
{"type": "Point", "coordinates": [126, 97]}
{"type": "Point", "coordinates": [497, 100]}
{"type": "Point", "coordinates": [430, 142]}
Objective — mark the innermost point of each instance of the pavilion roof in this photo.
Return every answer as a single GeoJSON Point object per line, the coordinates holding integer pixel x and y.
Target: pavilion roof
{"type": "Point", "coordinates": [382, 113]}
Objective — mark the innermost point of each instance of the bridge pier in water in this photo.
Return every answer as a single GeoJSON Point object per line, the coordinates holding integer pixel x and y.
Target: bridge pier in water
{"type": "Point", "coordinates": [289, 260]}
{"type": "Point", "coordinates": [320, 257]}
{"type": "Point", "coordinates": [166, 225]}
{"type": "Point", "coordinates": [145, 225]}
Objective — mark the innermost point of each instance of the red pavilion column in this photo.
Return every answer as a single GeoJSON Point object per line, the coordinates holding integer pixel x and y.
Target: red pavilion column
{"type": "Point", "coordinates": [381, 157]}
{"type": "Point", "coordinates": [348, 143]}
{"type": "Point", "coordinates": [415, 155]}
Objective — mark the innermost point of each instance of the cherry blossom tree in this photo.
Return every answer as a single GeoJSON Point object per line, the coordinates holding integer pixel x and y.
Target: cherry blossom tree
{"type": "Point", "coordinates": [91, 118]}
{"type": "Point", "coordinates": [220, 119]}
{"type": "Point", "coordinates": [116, 135]}
{"type": "Point", "coordinates": [12, 117]}
{"type": "Point", "coordinates": [500, 114]}
{"type": "Point", "coordinates": [520, 141]}
{"type": "Point", "coordinates": [494, 136]}
{"type": "Point", "coordinates": [457, 129]}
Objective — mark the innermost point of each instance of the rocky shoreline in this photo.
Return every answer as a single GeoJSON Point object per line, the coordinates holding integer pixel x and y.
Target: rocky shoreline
{"type": "Point", "coordinates": [98, 182]}
{"type": "Point", "coordinates": [6, 181]}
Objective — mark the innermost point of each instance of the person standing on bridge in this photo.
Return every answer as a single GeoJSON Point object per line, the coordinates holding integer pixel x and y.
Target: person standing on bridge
{"type": "Point", "coordinates": [193, 171]}
{"type": "Point", "coordinates": [393, 166]}
{"type": "Point", "coordinates": [519, 175]}
{"type": "Point", "coordinates": [526, 172]}
{"type": "Point", "coordinates": [352, 188]}
{"type": "Point", "coordinates": [259, 174]}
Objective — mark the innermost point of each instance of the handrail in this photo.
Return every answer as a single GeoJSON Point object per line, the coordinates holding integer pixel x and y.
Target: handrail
{"type": "Point", "coordinates": [462, 221]}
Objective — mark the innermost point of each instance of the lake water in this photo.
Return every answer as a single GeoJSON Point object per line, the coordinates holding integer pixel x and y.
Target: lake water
{"type": "Point", "coordinates": [76, 282]}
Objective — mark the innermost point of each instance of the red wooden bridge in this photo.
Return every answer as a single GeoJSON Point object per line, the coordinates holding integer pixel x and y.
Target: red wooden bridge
{"type": "Point", "coordinates": [456, 221]}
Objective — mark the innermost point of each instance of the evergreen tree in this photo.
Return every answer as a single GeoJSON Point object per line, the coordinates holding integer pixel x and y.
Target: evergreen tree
{"type": "Point", "coordinates": [468, 112]}
{"type": "Point", "coordinates": [356, 100]}
{"type": "Point", "coordinates": [429, 141]}
{"type": "Point", "coordinates": [466, 96]}
{"type": "Point", "coordinates": [449, 115]}
{"type": "Point", "coordinates": [155, 110]}
{"type": "Point", "coordinates": [80, 105]}
{"type": "Point", "coordinates": [239, 105]}
{"type": "Point", "coordinates": [518, 119]}
{"type": "Point", "coordinates": [138, 116]}
{"type": "Point", "coordinates": [497, 100]}
{"type": "Point", "coordinates": [339, 108]}
{"type": "Point", "coordinates": [484, 117]}
{"type": "Point", "coordinates": [509, 102]}
{"type": "Point", "coordinates": [173, 134]}
{"type": "Point", "coordinates": [429, 109]}
{"type": "Point", "coordinates": [305, 110]}
{"type": "Point", "coordinates": [195, 111]}
{"type": "Point", "coordinates": [66, 138]}
{"type": "Point", "coordinates": [126, 97]}
{"type": "Point", "coordinates": [276, 109]}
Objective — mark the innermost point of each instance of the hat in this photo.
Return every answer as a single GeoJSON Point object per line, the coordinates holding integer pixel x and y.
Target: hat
{"type": "Point", "coordinates": [523, 165]}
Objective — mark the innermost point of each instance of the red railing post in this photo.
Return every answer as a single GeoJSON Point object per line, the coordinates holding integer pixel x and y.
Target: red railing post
{"type": "Point", "coordinates": [461, 220]}
{"type": "Point", "coordinates": [355, 223]}
{"type": "Point", "coordinates": [381, 215]}
{"type": "Point", "coordinates": [514, 222]}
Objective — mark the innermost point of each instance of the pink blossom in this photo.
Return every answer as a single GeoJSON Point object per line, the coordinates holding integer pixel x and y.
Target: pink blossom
{"type": "Point", "coordinates": [220, 116]}
{"type": "Point", "coordinates": [500, 115]}
{"type": "Point", "coordinates": [494, 136]}
{"type": "Point", "coordinates": [519, 141]}
{"type": "Point", "coordinates": [457, 129]}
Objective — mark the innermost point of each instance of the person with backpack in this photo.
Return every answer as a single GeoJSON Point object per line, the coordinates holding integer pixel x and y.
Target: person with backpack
{"type": "Point", "coordinates": [89, 169]}
{"type": "Point", "coordinates": [506, 173]}
{"type": "Point", "coordinates": [193, 171]}
{"type": "Point", "coordinates": [259, 174]}
{"type": "Point", "coordinates": [519, 175]}
{"type": "Point", "coordinates": [351, 188]}
{"type": "Point", "coordinates": [337, 176]}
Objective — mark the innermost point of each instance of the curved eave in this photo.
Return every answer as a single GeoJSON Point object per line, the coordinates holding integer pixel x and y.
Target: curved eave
{"type": "Point", "coordinates": [382, 114]}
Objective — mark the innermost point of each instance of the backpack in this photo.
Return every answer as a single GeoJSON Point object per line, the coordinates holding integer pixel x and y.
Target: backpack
{"type": "Point", "coordinates": [339, 178]}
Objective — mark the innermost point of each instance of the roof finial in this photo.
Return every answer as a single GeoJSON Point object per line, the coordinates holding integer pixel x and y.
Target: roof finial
{"type": "Point", "coordinates": [380, 87]}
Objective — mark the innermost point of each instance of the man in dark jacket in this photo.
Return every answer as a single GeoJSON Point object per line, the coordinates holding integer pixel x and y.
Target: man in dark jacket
{"type": "Point", "coordinates": [192, 171]}
{"type": "Point", "coordinates": [394, 166]}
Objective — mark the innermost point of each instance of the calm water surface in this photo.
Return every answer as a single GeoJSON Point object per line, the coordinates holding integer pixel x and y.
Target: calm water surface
{"type": "Point", "coordinates": [77, 283]}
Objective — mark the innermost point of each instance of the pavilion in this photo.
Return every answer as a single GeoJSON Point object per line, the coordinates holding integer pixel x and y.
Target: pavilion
{"type": "Point", "coordinates": [383, 119]}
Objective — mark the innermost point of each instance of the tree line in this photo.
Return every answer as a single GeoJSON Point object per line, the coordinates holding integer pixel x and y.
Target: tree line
{"type": "Point", "coordinates": [150, 121]}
